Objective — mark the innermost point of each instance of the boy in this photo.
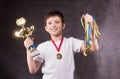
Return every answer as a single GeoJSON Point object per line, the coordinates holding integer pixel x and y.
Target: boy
{"type": "Point", "coordinates": [57, 55]}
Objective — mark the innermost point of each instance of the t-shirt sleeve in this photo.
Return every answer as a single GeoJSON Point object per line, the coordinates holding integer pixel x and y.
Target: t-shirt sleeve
{"type": "Point", "coordinates": [76, 44]}
{"type": "Point", "coordinates": [40, 58]}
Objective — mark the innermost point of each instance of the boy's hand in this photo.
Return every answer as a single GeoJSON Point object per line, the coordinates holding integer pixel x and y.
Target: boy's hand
{"type": "Point", "coordinates": [28, 42]}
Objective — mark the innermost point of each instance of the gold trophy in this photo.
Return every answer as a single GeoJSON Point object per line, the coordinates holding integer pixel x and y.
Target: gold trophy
{"type": "Point", "coordinates": [25, 32]}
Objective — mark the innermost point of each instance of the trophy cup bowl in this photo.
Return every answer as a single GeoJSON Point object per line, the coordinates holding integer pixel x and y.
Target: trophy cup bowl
{"type": "Point", "coordinates": [21, 21]}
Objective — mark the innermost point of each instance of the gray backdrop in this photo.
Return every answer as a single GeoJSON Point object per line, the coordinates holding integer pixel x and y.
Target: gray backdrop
{"type": "Point", "coordinates": [104, 64]}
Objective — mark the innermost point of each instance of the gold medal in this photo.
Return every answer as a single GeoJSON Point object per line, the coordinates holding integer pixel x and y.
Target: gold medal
{"type": "Point", "coordinates": [58, 56]}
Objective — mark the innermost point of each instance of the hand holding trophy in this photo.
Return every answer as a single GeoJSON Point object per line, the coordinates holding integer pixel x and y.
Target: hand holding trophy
{"type": "Point", "coordinates": [26, 32]}
{"type": "Point", "coordinates": [89, 26]}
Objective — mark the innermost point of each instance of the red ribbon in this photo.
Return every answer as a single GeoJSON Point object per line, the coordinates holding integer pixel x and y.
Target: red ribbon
{"type": "Point", "coordinates": [57, 48]}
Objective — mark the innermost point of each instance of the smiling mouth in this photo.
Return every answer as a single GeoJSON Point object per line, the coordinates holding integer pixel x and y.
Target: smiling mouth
{"type": "Point", "coordinates": [54, 29]}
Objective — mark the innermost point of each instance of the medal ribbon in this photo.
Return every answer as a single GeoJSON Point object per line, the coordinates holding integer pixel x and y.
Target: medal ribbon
{"type": "Point", "coordinates": [57, 48]}
{"type": "Point", "coordinates": [88, 33]}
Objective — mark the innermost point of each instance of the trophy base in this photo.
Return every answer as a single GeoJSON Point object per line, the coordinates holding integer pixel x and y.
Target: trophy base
{"type": "Point", "coordinates": [34, 53]}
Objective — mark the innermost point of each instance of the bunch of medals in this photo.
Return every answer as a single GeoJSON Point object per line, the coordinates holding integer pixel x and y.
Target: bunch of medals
{"type": "Point", "coordinates": [88, 30]}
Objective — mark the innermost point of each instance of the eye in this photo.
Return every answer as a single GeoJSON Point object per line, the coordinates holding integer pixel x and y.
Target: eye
{"type": "Point", "coordinates": [57, 22]}
{"type": "Point", "coordinates": [49, 23]}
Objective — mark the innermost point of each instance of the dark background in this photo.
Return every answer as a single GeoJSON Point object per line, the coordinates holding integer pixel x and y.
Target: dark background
{"type": "Point", "coordinates": [104, 64]}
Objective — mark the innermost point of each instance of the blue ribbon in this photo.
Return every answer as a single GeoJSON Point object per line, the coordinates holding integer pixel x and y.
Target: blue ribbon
{"type": "Point", "coordinates": [89, 33]}
{"type": "Point", "coordinates": [32, 47]}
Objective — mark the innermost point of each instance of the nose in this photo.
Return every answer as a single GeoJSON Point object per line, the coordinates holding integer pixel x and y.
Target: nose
{"type": "Point", "coordinates": [53, 24]}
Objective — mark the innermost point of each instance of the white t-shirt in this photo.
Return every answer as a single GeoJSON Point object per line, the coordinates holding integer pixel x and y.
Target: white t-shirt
{"type": "Point", "coordinates": [54, 68]}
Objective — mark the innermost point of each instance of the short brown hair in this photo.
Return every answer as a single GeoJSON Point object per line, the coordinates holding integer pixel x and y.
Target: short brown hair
{"type": "Point", "coordinates": [54, 13]}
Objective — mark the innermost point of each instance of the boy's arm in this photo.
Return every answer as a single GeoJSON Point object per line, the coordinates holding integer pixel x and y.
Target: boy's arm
{"type": "Point", "coordinates": [32, 65]}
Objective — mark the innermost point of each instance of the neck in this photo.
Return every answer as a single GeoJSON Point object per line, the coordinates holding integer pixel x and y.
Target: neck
{"type": "Point", "coordinates": [56, 38]}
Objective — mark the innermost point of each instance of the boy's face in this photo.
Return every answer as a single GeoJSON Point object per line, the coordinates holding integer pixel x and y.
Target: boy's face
{"type": "Point", "coordinates": [54, 26]}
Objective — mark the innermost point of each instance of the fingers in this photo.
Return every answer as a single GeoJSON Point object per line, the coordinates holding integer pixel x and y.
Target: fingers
{"type": "Point", "coordinates": [28, 42]}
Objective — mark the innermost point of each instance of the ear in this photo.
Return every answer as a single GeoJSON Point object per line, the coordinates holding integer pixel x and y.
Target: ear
{"type": "Point", "coordinates": [64, 25]}
{"type": "Point", "coordinates": [46, 28]}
